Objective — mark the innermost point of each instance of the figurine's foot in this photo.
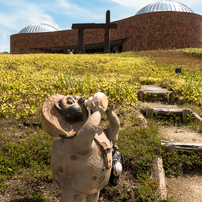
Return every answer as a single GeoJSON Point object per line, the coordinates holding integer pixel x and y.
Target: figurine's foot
{"type": "Point", "coordinates": [93, 197]}
{"type": "Point", "coordinates": [72, 196]}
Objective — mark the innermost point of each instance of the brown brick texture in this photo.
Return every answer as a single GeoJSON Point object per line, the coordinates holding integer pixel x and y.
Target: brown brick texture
{"type": "Point", "coordinates": [150, 31]}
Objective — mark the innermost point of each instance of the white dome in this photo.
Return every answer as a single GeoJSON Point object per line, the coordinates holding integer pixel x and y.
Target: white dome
{"type": "Point", "coordinates": [38, 28]}
{"type": "Point", "coordinates": [165, 5]}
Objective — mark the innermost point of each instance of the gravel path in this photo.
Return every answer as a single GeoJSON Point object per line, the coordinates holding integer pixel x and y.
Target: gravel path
{"type": "Point", "coordinates": [185, 188]}
{"type": "Point", "coordinates": [180, 134]}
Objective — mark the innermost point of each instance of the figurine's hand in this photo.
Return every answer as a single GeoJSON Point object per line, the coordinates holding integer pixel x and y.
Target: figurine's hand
{"type": "Point", "coordinates": [96, 107]}
{"type": "Point", "coordinates": [111, 106]}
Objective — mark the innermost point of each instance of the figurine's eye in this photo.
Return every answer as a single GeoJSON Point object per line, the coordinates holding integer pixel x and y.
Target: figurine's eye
{"type": "Point", "coordinates": [70, 101]}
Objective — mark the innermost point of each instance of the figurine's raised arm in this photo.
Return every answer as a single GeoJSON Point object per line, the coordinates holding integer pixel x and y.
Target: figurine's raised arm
{"type": "Point", "coordinates": [114, 124]}
{"type": "Point", "coordinates": [85, 136]}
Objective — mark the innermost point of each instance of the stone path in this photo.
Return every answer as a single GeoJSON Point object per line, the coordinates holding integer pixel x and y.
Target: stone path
{"type": "Point", "coordinates": [184, 188]}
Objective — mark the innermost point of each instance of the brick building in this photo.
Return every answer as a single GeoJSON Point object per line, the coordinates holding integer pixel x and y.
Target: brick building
{"type": "Point", "coordinates": [161, 25]}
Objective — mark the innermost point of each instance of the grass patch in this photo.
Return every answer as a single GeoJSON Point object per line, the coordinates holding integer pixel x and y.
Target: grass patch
{"type": "Point", "coordinates": [25, 158]}
{"type": "Point", "coordinates": [27, 80]}
{"type": "Point", "coordinates": [180, 163]}
{"type": "Point", "coordinates": [194, 52]}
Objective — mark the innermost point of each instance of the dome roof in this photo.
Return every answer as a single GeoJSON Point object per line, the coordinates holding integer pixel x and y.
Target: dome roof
{"type": "Point", "coordinates": [38, 28]}
{"type": "Point", "coordinates": [164, 5]}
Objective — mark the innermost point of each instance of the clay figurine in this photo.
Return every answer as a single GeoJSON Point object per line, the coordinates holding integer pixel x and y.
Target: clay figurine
{"type": "Point", "coordinates": [81, 157]}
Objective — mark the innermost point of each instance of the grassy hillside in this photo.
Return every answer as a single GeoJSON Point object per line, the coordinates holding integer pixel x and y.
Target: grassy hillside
{"type": "Point", "coordinates": [26, 82]}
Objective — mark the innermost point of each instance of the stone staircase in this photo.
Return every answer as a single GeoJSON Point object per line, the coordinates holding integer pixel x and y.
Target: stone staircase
{"type": "Point", "coordinates": [158, 95]}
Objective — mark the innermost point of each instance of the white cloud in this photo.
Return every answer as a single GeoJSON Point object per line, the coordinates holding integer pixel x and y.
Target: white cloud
{"type": "Point", "coordinates": [132, 3]}
{"type": "Point", "coordinates": [17, 14]}
{"type": "Point", "coordinates": [4, 42]}
{"type": "Point", "coordinates": [141, 4]}
{"type": "Point", "coordinates": [64, 4]}
{"type": "Point", "coordinates": [34, 14]}
{"type": "Point", "coordinates": [71, 9]}
{"type": "Point", "coordinates": [22, 13]}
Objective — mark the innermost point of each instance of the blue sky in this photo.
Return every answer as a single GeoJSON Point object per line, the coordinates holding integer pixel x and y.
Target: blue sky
{"type": "Point", "coordinates": [17, 14]}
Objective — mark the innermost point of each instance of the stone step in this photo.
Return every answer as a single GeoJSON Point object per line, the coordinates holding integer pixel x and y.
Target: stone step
{"type": "Point", "coordinates": [151, 112]}
{"type": "Point", "coordinates": [155, 93]}
{"type": "Point", "coordinates": [173, 146]}
{"type": "Point", "coordinates": [164, 111]}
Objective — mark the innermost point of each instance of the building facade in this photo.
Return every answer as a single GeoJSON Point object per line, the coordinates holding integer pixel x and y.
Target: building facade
{"type": "Point", "coordinates": [150, 29]}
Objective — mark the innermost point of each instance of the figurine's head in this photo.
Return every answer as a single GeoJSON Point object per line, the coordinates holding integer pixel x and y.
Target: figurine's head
{"type": "Point", "coordinates": [63, 115]}
{"type": "Point", "coordinates": [72, 108]}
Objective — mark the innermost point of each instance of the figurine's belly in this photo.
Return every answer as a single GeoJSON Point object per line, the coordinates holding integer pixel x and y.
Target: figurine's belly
{"type": "Point", "coordinates": [83, 173]}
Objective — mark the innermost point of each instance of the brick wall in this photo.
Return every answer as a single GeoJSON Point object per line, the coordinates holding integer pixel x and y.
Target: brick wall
{"type": "Point", "coordinates": [158, 30]}
{"type": "Point", "coordinates": [162, 30]}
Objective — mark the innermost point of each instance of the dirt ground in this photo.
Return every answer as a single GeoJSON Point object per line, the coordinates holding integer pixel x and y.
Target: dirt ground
{"type": "Point", "coordinates": [183, 188]}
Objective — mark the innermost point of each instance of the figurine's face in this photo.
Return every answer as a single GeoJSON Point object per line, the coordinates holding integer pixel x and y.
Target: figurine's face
{"type": "Point", "coordinates": [70, 108]}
